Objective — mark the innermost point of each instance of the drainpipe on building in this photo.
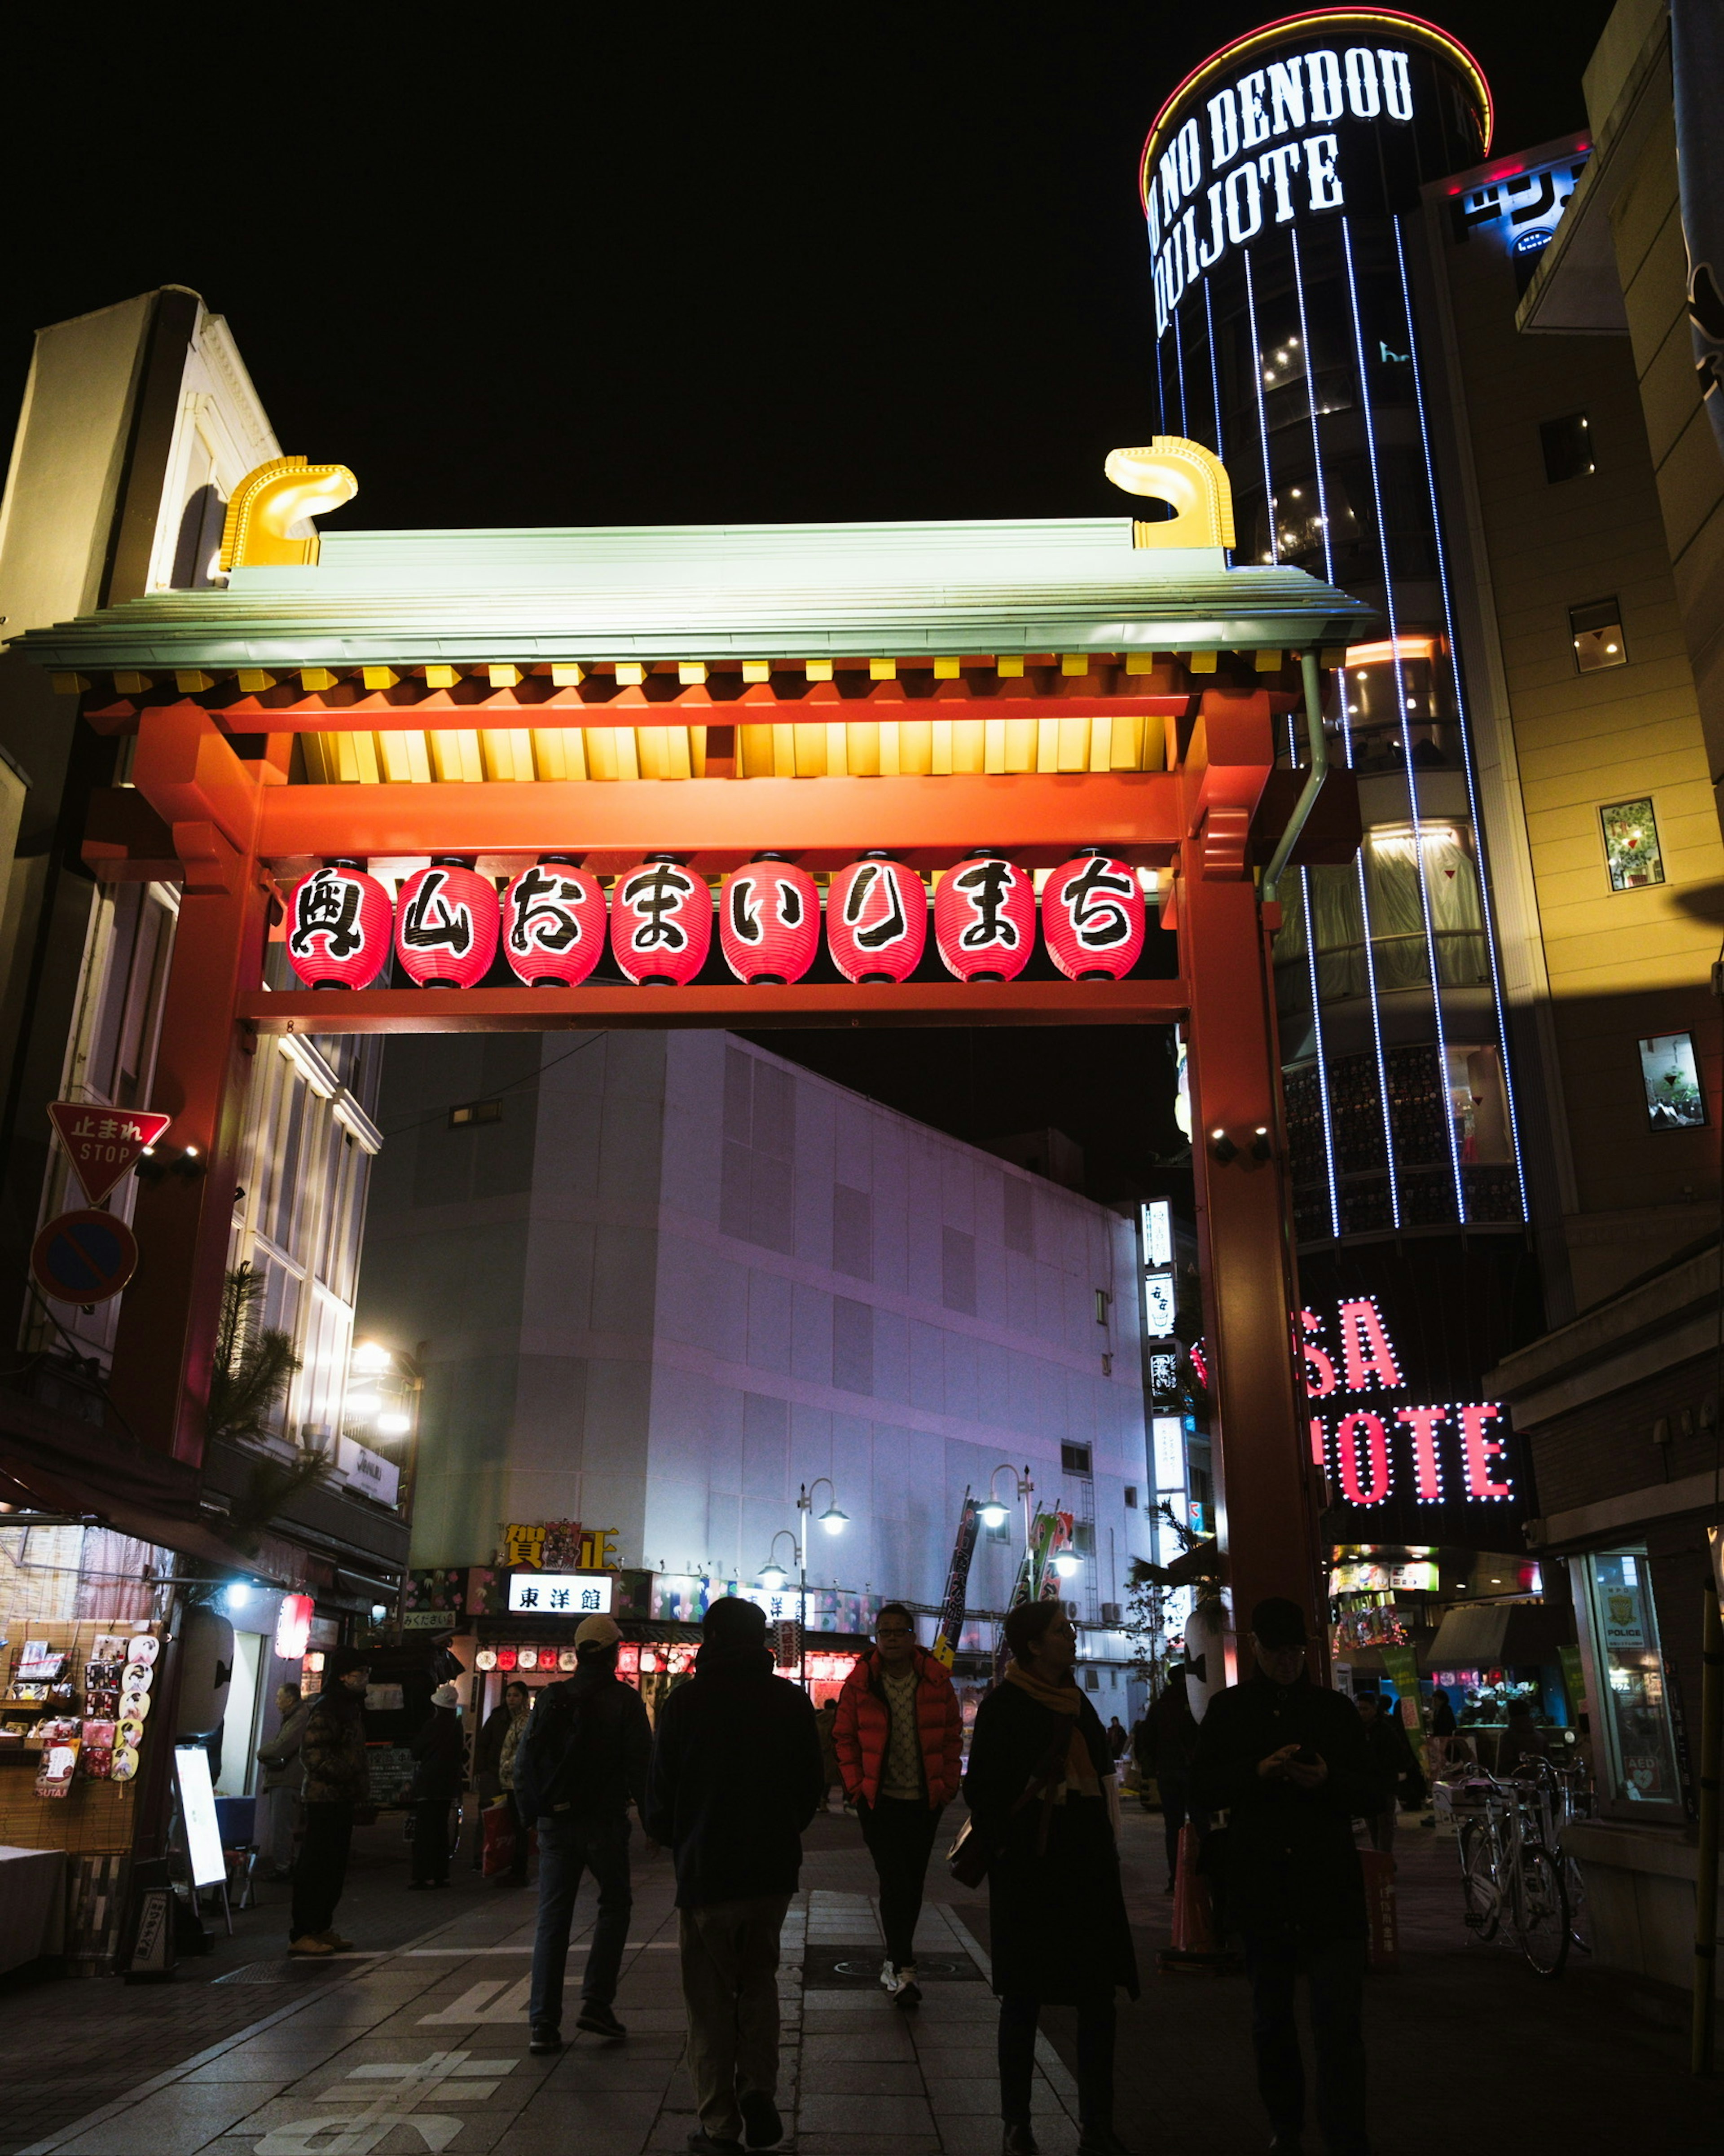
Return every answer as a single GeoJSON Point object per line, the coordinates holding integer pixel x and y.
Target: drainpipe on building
{"type": "Point", "coordinates": [1313, 785]}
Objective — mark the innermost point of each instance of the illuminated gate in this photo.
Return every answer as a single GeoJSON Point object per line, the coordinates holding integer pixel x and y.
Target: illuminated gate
{"type": "Point", "coordinates": [921, 692]}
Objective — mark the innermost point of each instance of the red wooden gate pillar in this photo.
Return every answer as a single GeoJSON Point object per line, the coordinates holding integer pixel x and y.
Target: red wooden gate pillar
{"type": "Point", "coordinates": [1266, 1506]}
{"type": "Point", "coordinates": [166, 1338]}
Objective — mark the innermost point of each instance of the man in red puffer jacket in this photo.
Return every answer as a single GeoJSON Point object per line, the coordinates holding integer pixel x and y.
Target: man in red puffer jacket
{"type": "Point", "coordinates": [899, 1739]}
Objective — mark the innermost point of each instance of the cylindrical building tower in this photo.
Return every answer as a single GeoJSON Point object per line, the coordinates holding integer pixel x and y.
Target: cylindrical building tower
{"type": "Point", "coordinates": [1274, 181]}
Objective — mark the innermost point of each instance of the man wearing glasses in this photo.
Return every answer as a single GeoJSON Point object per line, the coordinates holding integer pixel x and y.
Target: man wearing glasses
{"type": "Point", "coordinates": [898, 1741]}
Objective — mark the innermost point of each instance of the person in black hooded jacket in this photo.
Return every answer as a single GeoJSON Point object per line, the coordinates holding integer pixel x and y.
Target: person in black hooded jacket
{"type": "Point", "coordinates": [737, 1776]}
{"type": "Point", "coordinates": [1288, 1761]}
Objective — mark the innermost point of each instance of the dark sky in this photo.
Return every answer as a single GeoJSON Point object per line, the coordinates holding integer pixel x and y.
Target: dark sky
{"type": "Point", "coordinates": [647, 264]}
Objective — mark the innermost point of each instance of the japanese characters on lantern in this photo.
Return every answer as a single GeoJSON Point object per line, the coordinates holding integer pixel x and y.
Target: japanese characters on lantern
{"type": "Point", "coordinates": [984, 918]}
{"type": "Point", "coordinates": [661, 922]}
{"type": "Point", "coordinates": [876, 919]}
{"type": "Point", "coordinates": [553, 923]}
{"type": "Point", "coordinates": [769, 921]}
{"type": "Point", "coordinates": [338, 927]}
{"type": "Point", "coordinates": [446, 931]}
{"type": "Point", "coordinates": [1093, 920]}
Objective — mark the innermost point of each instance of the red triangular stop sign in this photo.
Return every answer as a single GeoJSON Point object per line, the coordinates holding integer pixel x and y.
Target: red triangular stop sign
{"type": "Point", "coordinates": [103, 1144]}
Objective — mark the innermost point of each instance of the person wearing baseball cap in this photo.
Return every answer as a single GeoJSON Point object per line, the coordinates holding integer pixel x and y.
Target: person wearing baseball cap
{"type": "Point", "coordinates": [440, 1754]}
{"type": "Point", "coordinates": [581, 1762]}
{"type": "Point", "coordinates": [1287, 1760]}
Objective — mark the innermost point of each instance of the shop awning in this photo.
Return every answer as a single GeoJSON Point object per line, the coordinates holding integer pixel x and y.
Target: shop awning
{"type": "Point", "coordinates": [1488, 1634]}
{"type": "Point", "coordinates": [56, 1463]}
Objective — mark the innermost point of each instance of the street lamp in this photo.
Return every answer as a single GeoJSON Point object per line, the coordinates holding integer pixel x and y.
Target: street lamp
{"type": "Point", "coordinates": [772, 1572]}
{"type": "Point", "coordinates": [834, 1519]}
{"type": "Point", "coordinates": [993, 1508]}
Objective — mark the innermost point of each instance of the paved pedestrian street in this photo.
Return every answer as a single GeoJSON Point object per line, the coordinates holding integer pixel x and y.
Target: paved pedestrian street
{"type": "Point", "coordinates": [419, 2043]}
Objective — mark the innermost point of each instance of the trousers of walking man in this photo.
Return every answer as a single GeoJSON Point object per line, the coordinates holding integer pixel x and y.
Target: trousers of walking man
{"type": "Point", "coordinates": [736, 1778]}
{"type": "Point", "coordinates": [581, 1762]}
{"type": "Point", "coordinates": [899, 1740]}
{"type": "Point", "coordinates": [1287, 1760]}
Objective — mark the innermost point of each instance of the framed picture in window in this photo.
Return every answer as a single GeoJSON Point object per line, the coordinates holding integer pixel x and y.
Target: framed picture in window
{"type": "Point", "coordinates": [1675, 1099]}
{"type": "Point", "coordinates": [1631, 847]}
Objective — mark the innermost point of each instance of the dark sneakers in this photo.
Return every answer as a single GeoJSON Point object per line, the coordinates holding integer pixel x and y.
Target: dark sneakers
{"type": "Point", "coordinates": [599, 2021]}
{"type": "Point", "coordinates": [762, 2125]}
{"type": "Point", "coordinates": [545, 2037]}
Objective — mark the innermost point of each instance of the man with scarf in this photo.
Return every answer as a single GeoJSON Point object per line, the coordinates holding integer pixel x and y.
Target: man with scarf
{"type": "Point", "coordinates": [1043, 1797]}
{"type": "Point", "coordinates": [736, 1778]}
{"type": "Point", "coordinates": [1289, 1764]}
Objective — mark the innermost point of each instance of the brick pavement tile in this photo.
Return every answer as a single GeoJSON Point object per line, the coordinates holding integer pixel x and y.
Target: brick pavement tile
{"type": "Point", "coordinates": [870, 2077]}
{"type": "Point", "coordinates": [870, 2144]}
{"type": "Point", "coordinates": [563, 2114]}
{"type": "Point", "coordinates": [619, 2070]}
{"type": "Point", "coordinates": [671, 2130]}
{"type": "Point", "coordinates": [887, 2115]}
{"type": "Point", "coordinates": [174, 2120]}
{"type": "Point", "coordinates": [872, 2044]}
{"type": "Point", "coordinates": [1055, 2137]}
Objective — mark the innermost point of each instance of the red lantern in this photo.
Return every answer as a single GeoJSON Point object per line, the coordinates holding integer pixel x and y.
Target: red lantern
{"type": "Point", "coordinates": [876, 919]}
{"type": "Point", "coordinates": [446, 931]}
{"type": "Point", "coordinates": [338, 927]}
{"type": "Point", "coordinates": [769, 921]}
{"type": "Point", "coordinates": [984, 918]}
{"type": "Point", "coordinates": [1093, 917]}
{"type": "Point", "coordinates": [553, 923]}
{"type": "Point", "coordinates": [661, 922]}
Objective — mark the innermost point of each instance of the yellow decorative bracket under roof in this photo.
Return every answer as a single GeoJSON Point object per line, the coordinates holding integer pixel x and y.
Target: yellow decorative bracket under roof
{"type": "Point", "coordinates": [270, 500]}
{"type": "Point", "coordinates": [1188, 476]}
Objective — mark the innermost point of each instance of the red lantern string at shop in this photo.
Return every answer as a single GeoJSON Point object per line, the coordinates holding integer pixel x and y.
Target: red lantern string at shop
{"type": "Point", "coordinates": [446, 930]}
{"type": "Point", "coordinates": [876, 919]}
{"type": "Point", "coordinates": [769, 921]}
{"type": "Point", "coordinates": [984, 918]}
{"type": "Point", "coordinates": [338, 927]}
{"type": "Point", "coordinates": [661, 922]}
{"type": "Point", "coordinates": [553, 923]}
{"type": "Point", "coordinates": [1093, 919]}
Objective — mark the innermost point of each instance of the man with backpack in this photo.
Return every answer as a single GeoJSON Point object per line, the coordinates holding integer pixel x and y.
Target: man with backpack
{"type": "Point", "coordinates": [584, 1758]}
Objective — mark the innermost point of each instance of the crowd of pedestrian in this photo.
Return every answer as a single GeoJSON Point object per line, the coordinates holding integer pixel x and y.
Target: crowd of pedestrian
{"type": "Point", "coordinates": [1272, 1778]}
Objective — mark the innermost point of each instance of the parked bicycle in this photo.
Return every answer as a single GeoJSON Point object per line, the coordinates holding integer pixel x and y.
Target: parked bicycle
{"type": "Point", "coordinates": [1562, 1794]}
{"type": "Point", "coordinates": [1513, 1882]}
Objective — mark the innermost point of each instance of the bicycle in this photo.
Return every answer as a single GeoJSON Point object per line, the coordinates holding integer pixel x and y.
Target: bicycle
{"type": "Point", "coordinates": [1562, 1794]}
{"type": "Point", "coordinates": [1510, 1879]}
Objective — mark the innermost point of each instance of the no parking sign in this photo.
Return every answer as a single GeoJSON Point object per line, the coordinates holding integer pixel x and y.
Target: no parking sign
{"type": "Point", "coordinates": [85, 1256]}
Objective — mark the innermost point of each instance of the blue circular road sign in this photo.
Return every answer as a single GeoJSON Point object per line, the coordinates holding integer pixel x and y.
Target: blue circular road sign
{"type": "Point", "coordinates": [84, 1257]}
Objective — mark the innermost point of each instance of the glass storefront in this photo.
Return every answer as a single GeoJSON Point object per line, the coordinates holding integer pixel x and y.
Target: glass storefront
{"type": "Point", "coordinates": [1639, 1765]}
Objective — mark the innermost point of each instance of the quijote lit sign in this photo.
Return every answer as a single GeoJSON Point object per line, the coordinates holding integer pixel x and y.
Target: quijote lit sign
{"type": "Point", "coordinates": [1220, 181]}
{"type": "Point", "coordinates": [1368, 1450]}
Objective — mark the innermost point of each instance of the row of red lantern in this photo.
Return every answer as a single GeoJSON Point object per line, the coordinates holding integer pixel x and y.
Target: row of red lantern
{"type": "Point", "coordinates": [552, 922]}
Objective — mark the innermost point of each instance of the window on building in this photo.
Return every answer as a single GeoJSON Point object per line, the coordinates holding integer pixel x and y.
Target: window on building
{"type": "Point", "coordinates": [1598, 640]}
{"type": "Point", "coordinates": [1130, 1497]}
{"type": "Point", "coordinates": [1635, 1713]}
{"type": "Point", "coordinates": [1074, 1458]}
{"type": "Point", "coordinates": [1669, 1071]}
{"type": "Point", "coordinates": [957, 1270]}
{"type": "Point", "coordinates": [475, 1111]}
{"type": "Point", "coordinates": [1411, 879]}
{"type": "Point", "coordinates": [1568, 446]}
{"type": "Point", "coordinates": [1632, 853]}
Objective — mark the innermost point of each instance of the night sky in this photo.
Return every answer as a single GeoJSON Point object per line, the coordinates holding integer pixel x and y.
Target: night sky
{"type": "Point", "coordinates": [655, 265]}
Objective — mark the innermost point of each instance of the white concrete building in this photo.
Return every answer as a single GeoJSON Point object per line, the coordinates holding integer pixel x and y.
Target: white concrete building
{"type": "Point", "coordinates": [659, 1280]}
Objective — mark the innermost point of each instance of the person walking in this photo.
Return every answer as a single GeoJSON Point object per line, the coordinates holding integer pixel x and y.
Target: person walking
{"type": "Point", "coordinates": [900, 1742]}
{"type": "Point", "coordinates": [337, 1778]}
{"type": "Point", "coordinates": [441, 1754]}
{"type": "Point", "coordinates": [736, 1779]}
{"type": "Point", "coordinates": [1394, 1759]}
{"type": "Point", "coordinates": [825, 1721]}
{"type": "Point", "coordinates": [583, 1762]}
{"type": "Point", "coordinates": [1170, 1738]}
{"type": "Point", "coordinates": [1043, 1797]}
{"type": "Point", "coordinates": [1117, 1740]}
{"type": "Point", "coordinates": [1288, 1761]}
{"type": "Point", "coordinates": [284, 1777]}
{"type": "Point", "coordinates": [494, 1774]}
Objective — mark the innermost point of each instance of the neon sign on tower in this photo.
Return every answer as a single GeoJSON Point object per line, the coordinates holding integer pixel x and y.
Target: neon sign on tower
{"type": "Point", "coordinates": [1280, 189]}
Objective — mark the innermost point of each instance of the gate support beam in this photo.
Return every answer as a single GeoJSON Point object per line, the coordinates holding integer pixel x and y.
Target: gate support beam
{"type": "Point", "coordinates": [1267, 1512]}
{"type": "Point", "coordinates": [165, 1339]}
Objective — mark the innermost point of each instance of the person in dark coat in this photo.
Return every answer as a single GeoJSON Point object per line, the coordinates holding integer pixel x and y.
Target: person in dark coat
{"type": "Point", "coordinates": [441, 1753]}
{"type": "Point", "coordinates": [1287, 1760]}
{"type": "Point", "coordinates": [736, 1779]}
{"type": "Point", "coordinates": [1058, 1928]}
{"type": "Point", "coordinates": [1165, 1750]}
{"type": "Point", "coordinates": [337, 1780]}
{"type": "Point", "coordinates": [501, 1732]}
{"type": "Point", "coordinates": [582, 1764]}
{"type": "Point", "coordinates": [1391, 1750]}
